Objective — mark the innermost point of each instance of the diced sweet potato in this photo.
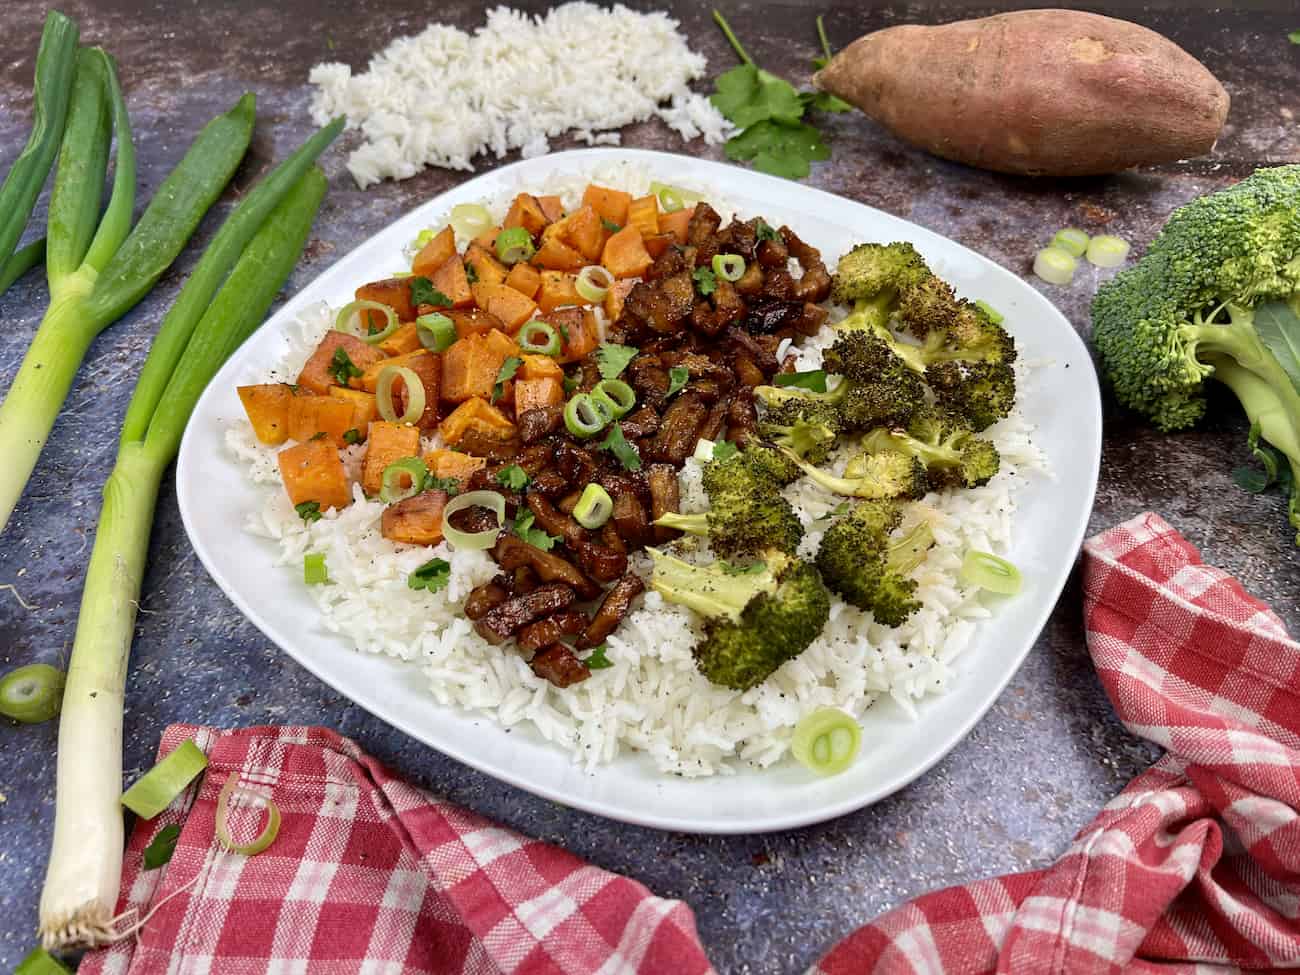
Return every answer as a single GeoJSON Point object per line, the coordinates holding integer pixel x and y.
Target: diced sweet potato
{"type": "Point", "coordinates": [453, 282]}
{"type": "Point", "coordinates": [526, 212]}
{"type": "Point", "coordinates": [313, 471]}
{"type": "Point", "coordinates": [533, 393]}
{"type": "Point", "coordinates": [470, 365]}
{"type": "Point", "coordinates": [435, 253]}
{"type": "Point", "coordinates": [556, 255]}
{"type": "Point", "coordinates": [487, 269]}
{"type": "Point", "coordinates": [552, 206]}
{"type": "Point", "coordinates": [558, 289]}
{"type": "Point", "coordinates": [429, 368]}
{"type": "Point", "coordinates": [393, 292]}
{"type": "Point", "coordinates": [656, 245]}
{"type": "Point", "coordinates": [610, 204]}
{"type": "Point", "coordinates": [625, 255]}
{"type": "Point", "coordinates": [365, 407]}
{"type": "Point", "coordinates": [416, 520]}
{"type": "Point", "coordinates": [370, 378]}
{"type": "Point", "coordinates": [540, 367]}
{"type": "Point", "coordinates": [525, 279]}
{"type": "Point", "coordinates": [453, 464]}
{"type": "Point", "coordinates": [480, 415]}
{"type": "Point", "coordinates": [487, 240]}
{"type": "Point", "coordinates": [267, 407]}
{"type": "Point", "coordinates": [507, 304]}
{"type": "Point", "coordinates": [578, 330]}
{"type": "Point", "coordinates": [474, 321]}
{"type": "Point", "coordinates": [614, 298]}
{"type": "Point", "coordinates": [386, 444]}
{"type": "Point", "coordinates": [675, 223]}
{"type": "Point", "coordinates": [643, 214]}
{"type": "Point", "coordinates": [311, 415]}
{"type": "Point", "coordinates": [584, 232]}
{"type": "Point", "coordinates": [405, 339]}
{"type": "Point", "coordinates": [317, 375]}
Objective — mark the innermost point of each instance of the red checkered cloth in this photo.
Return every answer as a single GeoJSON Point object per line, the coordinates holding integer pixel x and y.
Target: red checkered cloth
{"type": "Point", "coordinates": [1195, 867]}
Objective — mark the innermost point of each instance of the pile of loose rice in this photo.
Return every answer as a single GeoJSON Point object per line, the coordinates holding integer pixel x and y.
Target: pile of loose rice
{"type": "Point", "coordinates": [652, 699]}
{"type": "Point", "coordinates": [443, 96]}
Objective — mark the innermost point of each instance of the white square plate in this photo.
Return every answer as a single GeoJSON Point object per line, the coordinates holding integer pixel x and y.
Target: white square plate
{"type": "Point", "coordinates": [1063, 401]}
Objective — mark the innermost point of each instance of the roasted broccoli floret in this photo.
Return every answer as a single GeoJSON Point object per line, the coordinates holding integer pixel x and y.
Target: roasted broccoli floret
{"type": "Point", "coordinates": [980, 392]}
{"type": "Point", "coordinates": [809, 441]}
{"type": "Point", "coordinates": [859, 560]}
{"type": "Point", "coordinates": [883, 475]}
{"type": "Point", "coordinates": [1207, 300]}
{"type": "Point", "coordinates": [952, 455]}
{"type": "Point", "coordinates": [787, 405]}
{"type": "Point", "coordinates": [755, 617]}
{"type": "Point", "coordinates": [877, 270]}
{"type": "Point", "coordinates": [880, 388]}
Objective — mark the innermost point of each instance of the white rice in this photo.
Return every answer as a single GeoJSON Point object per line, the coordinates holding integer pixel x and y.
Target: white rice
{"type": "Point", "coordinates": [652, 699]}
{"type": "Point", "coordinates": [444, 96]}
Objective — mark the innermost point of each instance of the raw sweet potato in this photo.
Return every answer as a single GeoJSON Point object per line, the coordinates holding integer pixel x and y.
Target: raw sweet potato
{"type": "Point", "coordinates": [387, 444]}
{"type": "Point", "coordinates": [267, 407]}
{"type": "Point", "coordinates": [1039, 92]}
{"type": "Point", "coordinates": [318, 375]}
{"type": "Point", "coordinates": [416, 520]}
{"type": "Point", "coordinates": [313, 471]}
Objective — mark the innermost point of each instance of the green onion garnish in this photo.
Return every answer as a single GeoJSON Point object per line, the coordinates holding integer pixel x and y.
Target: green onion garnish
{"type": "Point", "coordinates": [594, 507]}
{"type": "Point", "coordinates": [154, 791]}
{"type": "Point", "coordinates": [1055, 265]}
{"type": "Point", "coordinates": [424, 236]}
{"type": "Point", "coordinates": [1072, 240]}
{"type": "Point", "coordinates": [433, 576]}
{"type": "Point", "coordinates": [594, 283]}
{"type": "Point", "coordinates": [826, 741]}
{"type": "Point", "coordinates": [673, 198]}
{"type": "Point", "coordinates": [314, 572]}
{"type": "Point", "coordinates": [729, 267]}
{"type": "Point", "coordinates": [470, 219]}
{"type": "Point", "coordinates": [349, 320]}
{"type": "Point", "coordinates": [813, 379]}
{"type": "Point", "coordinates": [474, 541]}
{"type": "Point", "coordinates": [615, 396]}
{"type": "Point", "coordinates": [413, 387]}
{"type": "Point", "coordinates": [584, 417]}
{"type": "Point", "coordinates": [989, 572]}
{"type": "Point", "coordinates": [435, 331]}
{"type": "Point", "coordinates": [32, 694]}
{"type": "Point", "coordinates": [263, 839]}
{"type": "Point", "coordinates": [1106, 250]}
{"type": "Point", "coordinates": [539, 338]}
{"type": "Point", "coordinates": [403, 479]}
{"type": "Point", "coordinates": [514, 245]}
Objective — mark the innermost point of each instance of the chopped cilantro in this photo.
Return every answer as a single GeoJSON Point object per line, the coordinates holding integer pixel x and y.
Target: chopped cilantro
{"type": "Point", "coordinates": [677, 377]}
{"type": "Point", "coordinates": [742, 568]}
{"type": "Point", "coordinates": [814, 379]}
{"type": "Point", "coordinates": [433, 576]}
{"type": "Point", "coordinates": [596, 660]}
{"type": "Point", "coordinates": [351, 436]}
{"type": "Point", "coordinates": [424, 293]}
{"type": "Point", "coordinates": [318, 435]}
{"type": "Point", "coordinates": [308, 511]}
{"type": "Point", "coordinates": [617, 445]}
{"type": "Point", "coordinates": [161, 847]}
{"type": "Point", "coordinates": [835, 512]}
{"type": "Point", "coordinates": [763, 231]}
{"type": "Point", "coordinates": [342, 368]}
{"type": "Point", "coordinates": [448, 484]}
{"type": "Point", "coordinates": [504, 375]}
{"type": "Point", "coordinates": [570, 384]}
{"type": "Point", "coordinates": [610, 225]}
{"type": "Point", "coordinates": [533, 536]}
{"type": "Point", "coordinates": [613, 359]}
{"type": "Point", "coordinates": [471, 273]}
{"type": "Point", "coordinates": [513, 477]}
{"type": "Point", "coordinates": [706, 282]}
{"type": "Point", "coordinates": [724, 449]}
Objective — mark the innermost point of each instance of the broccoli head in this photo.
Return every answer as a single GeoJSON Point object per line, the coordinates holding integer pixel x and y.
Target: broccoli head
{"type": "Point", "coordinates": [859, 560]}
{"type": "Point", "coordinates": [883, 475]}
{"type": "Point", "coordinates": [981, 393]}
{"type": "Point", "coordinates": [881, 389]}
{"type": "Point", "coordinates": [872, 270]}
{"type": "Point", "coordinates": [808, 441]}
{"type": "Point", "coordinates": [787, 405]}
{"type": "Point", "coordinates": [952, 455]}
{"type": "Point", "coordinates": [755, 617]}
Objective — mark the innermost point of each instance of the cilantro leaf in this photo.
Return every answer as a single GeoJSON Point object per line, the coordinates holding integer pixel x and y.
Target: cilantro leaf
{"type": "Point", "coordinates": [823, 101]}
{"type": "Point", "coordinates": [724, 449]}
{"type": "Point", "coordinates": [706, 282]}
{"type": "Point", "coordinates": [351, 436]}
{"type": "Point", "coordinates": [596, 660]}
{"type": "Point", "coordinates": [504, 375]}
{"type": "Point", "coordinates": [1294, 37]}
{"type": "Point", "coordinates": [763, 231]}
{"type": "Point", "coordinates": [471, 273]}
{"type": "Point", "coordinates": [610, 225]}
{"type": "Point", "coordinates": [677, 377]}
{"type": "Point", "coordinates": [533, 536]}
{"type": "Point", "coordinates": [308, 511]}
{"type": "Point", "coordinates": [613, 359]}
{"type": "Point", "coordinates": [781, 150]}
{"type": "Point", "coordinates": [162, 846]}
{"type": "Point", "coordinates": [342, 368]}
{"type": "Point", "coordinates": [813, 379]}
{"type": "Point", "coordinates": [570, 384]}
{"type": "Point", "coordinates": [747, 94]}
{"type": "Point", "coordinates": [433, 576]}
{"type": "Point", "coordinates": [424, 293]}
{"type": "Point", "coordinates": [617, 445]}
{"type": "Point", "coordinates": [448, 484]}
{"type": "Point", "coordinates": [513, 477]}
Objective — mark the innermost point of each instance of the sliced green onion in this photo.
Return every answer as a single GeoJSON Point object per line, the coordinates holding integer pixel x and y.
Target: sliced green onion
{"type": "Point", "coordinates": [615, 395]}
{"type": "Point", "coordinates": [435, 331]}
{"type": "Point", "coordinates": [729, 267]}
{"type": "Point", "coordinates": [470, 219]}
{"type": "Point", "coordinates": [989, 572]}
{"type": "Point", "coordinates": [703, 450]}
{"type": "Point", "coordinates": [1054, 265]}
{"type": "Point", "coordinates": [40, 962]}
{"type": "Point", "coordinates": [424, 236]}
{"type": "Point", "coordinates": [539, 338]}
{"type": "Point", "coordinates": [826, 741]}
{"type": "Point", "coordinates": [154, 791]}
{"type": "Point", "coordinates": [584, 417]}
{"type": "Point", "coordinates": [414, 394]}
{"type": "Point", "coordinates": [474, 541]}
{"type": "Point", "coordinates": [993, 315]}
{"type": "Point", "coordinates": [1072, 240]}
{"type": "Point", "coordinates": [594, 507]}
{"type": "Point", "coordinates": [673, 198]}
{"type": "Point", "coordinates": [514, 245]}
{"type": "Point", "coordinates": [349, 321]}
{"type": "Point", "coordinates": [263, 839]}
{"type": "Point", "coordinates": [314, 572]}
{"type": "Point", "coordinates": [594, 283]}
{"type": "Point", "coordinates": [403, 479]}
{"type": "Point", "coordinates": [1106, 250]}
{"type": "Point", "coordinates": [32, 694]}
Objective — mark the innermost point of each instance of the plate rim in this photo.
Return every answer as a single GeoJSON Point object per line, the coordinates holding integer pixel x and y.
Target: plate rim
{"type": "Point", "coordinates": [880, 788]}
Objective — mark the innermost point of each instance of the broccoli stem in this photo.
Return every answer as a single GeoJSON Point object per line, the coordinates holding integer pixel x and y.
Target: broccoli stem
{"type": "Point", "coordinates": [697, 524]}
{"type": "Point", "coordinates": [906, 553]}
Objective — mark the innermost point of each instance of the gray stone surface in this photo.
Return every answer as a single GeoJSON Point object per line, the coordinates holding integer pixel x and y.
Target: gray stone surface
{"type": "Point", "coordinates": [1048, 754]}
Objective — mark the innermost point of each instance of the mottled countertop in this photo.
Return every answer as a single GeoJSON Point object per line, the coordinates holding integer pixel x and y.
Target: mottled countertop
{"type": "Point", "coordinates": [1009, 797]}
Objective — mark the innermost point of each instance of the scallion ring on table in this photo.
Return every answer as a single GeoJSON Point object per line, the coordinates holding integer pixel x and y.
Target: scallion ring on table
{"type": "Point", "coordinates": [1072, 240]}
{"type": "Point", "coordinates": [263, 839]}
{"type": "Point", "coordinates": [1054, 265]}
{"type": "Point", "coordinates": [584, 416]}
{"type": "Point", "coordinates": [470, 219]}
{"type": "Point", "coordinates": [154, 791]}
{"type": "Point", "coordinates": [826, 741]}
{"type": "Point", "coordinates": [413, 388]}
{"type": "Point", "coordinates": [403, 479]}
{"type": "Point", "coordinates": [594, 283]}
{"type": "Point", "coordinates": [594, 507]}
{"type": "Point", "coordinates": [514, 245]}
{"type": "Point", "coordinates": [435, 331]}
{"type": "Point", "coordinates": [539, 338]}
{"type": "Point", "coordinates": [350, 320]}
{"type": "Point", "coordinates": [989, 572]}
{"type": "Point", "coordinates": [729, 267]}
{"type": "Point", "coordinates": [1107, 250]}
{"type": "Point", "coordinates": [474, 541]}
{"type": "Point", "coordinates": [314, 572]}
{"type": "Point", "coordinates": [32, 694]}
{"type": "Point", "coordinates": [616, 396]}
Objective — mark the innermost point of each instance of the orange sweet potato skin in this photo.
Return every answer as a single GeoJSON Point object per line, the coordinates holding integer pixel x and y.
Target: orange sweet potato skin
{"type": "Point", "coordinates": [1034, 92]}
